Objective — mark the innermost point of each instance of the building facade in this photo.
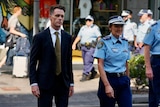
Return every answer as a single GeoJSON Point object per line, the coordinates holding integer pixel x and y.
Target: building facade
{"type": "Point", "coordinates": [35, 12]}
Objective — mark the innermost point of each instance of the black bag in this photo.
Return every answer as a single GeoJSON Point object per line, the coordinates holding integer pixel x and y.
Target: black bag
{"type": "Point", "coordinates": [11, 40]}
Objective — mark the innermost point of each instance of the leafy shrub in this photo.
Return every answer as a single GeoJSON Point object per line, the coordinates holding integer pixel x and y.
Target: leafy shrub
{"type": "Point", "coordinates": [137, 69]}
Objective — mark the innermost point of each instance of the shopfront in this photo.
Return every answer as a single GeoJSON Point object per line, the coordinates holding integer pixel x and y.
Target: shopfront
{"type": "Point", "coordinates": [101, 10]}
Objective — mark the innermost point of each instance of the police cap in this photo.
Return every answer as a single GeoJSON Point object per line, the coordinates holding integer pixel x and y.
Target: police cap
{"type": "Point", "coordinates": [89, 17]}
{"type": "Point", "coordinates": [124, 13]}
{"type": "Point", "coordinates": [116, 20]}
{"type": "Point", "coordinates": [142, 12]}
{"type": "Point", "coordinates": [150, 12]}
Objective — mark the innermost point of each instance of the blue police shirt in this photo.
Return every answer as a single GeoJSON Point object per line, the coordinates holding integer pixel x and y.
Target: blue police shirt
{"type": "Point", "coordinates": [89, 34]}
{"type": "Point", "coordinates": [114, 54]}
{"type": "Point", "coordinates": [153, 38]}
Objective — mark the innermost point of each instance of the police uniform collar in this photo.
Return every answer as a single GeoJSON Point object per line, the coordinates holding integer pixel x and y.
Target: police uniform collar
{"type": "Point", "coordinates": [146, 22]}
{"type": "Point", "coordinates": [90, 26]}
{"type": "Point", "coordinates": [115, 40]}
{"type": "Point", "coordinates": [127, 21]}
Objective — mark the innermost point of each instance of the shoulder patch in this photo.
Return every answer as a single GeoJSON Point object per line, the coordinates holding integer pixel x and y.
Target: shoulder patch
{"type": "Point", "coordinates": [100, 44]}
{"type": "Point", "coordinates": [107, 38]}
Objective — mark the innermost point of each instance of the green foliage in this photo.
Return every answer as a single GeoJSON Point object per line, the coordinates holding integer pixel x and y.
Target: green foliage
{"type": "Point", "coordinates": [137, 69]}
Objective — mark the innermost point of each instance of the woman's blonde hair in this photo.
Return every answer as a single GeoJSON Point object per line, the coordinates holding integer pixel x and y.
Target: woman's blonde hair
{"type": "Point", "coordinates": [16, 8]}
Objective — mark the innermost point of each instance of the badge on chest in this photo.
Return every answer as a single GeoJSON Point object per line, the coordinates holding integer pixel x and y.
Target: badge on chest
{"type": "Point", "coordinates": [115, 50]}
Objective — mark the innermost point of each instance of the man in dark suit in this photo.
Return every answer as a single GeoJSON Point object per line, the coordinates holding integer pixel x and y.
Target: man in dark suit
{"type": "Point", "coordinates": [51, 73]}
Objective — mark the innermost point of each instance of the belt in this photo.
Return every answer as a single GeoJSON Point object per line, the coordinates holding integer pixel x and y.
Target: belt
{"type": "Point", "coordinates": [156, 56]}
{"type": "Point", "coordinates": [116, 74]}
{"type": "Point", "coordinates": [86, 44]}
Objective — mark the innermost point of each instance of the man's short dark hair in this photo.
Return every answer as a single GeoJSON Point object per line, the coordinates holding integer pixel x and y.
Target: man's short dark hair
{"type": "Point", "coordinates": [52, 8]}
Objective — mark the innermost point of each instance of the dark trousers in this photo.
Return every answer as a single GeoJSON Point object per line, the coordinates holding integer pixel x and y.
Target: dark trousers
{"type": "Point", "coordinates": [122, 92]}
{"type": "Point", "coordinates": [88, 59]}
{"type": "Point", "coordinates": [46, 99]}
{"type": "Point", "coordinates": [60, 93]}
{"type": "Point", "coordinates": [154, 85]}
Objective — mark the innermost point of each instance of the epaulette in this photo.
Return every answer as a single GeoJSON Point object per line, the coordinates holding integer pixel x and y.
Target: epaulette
{"type": "Point", "coordinates": [107, 37]}
{"type": "Point", "coordinates": [154, 23]}
{"type": "Point", "coordinates": [124, 39]}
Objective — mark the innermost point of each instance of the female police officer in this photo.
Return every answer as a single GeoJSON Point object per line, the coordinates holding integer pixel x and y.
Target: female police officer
{"type": "Point", "coordinates": [112, 53]}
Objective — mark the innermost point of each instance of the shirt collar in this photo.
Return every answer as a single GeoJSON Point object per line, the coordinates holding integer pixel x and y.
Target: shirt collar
{"type": "Point", "coordinates": [52, 31]}
{"type": "Point", "coordinates": [114, 40]}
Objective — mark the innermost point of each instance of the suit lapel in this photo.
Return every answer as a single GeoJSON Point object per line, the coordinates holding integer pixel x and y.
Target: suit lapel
{"type": "Point", "coordinates": [50, 40]}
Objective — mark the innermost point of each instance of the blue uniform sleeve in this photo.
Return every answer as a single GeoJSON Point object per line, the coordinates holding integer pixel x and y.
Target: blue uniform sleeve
{"type": "Point", "coordinates": [100, 50]}
{"type": "Point", "coordinates": [149, 38]}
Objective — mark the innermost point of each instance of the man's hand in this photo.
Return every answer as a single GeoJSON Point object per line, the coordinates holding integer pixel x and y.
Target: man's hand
{"type": "Point", "coordinates": [35, 91]}
{"type": "Point", "coordinates": [23, 35]}
{"type": "Point", "coordinates": [74, 46]}
{"type": "Point", "coordinates": [71, 91]}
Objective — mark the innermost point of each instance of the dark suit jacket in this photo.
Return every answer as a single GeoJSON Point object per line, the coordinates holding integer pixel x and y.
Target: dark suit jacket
{"type": "Point", "coordinates": [43, 60]}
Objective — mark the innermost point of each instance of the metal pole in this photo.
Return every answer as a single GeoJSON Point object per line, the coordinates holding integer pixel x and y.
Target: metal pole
{"type": "Point", "coordinates": [36, 17]}
{"type": "Point", "coordinates": [122, 5]}
{"type": "Point", "coordinates": [71, 16]}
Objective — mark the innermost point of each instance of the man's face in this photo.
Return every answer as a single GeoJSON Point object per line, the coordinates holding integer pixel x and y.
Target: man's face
{"type": "Point", "coordinates": [124, 18]}
{"type": "Point", "coordinates": [143, 18]}
{"type": "Point", "coordinates": [19, 11]}
{"type": "Point", "coordinates": [89, 22]}
{"type": "Point", "coordinates": [57, 18]}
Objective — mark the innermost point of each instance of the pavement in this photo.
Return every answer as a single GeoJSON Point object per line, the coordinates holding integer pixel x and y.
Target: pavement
{"type": "Point", "coordinates": [16, 92]}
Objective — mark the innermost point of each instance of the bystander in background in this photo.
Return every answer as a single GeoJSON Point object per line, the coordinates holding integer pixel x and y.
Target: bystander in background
{"type": "Point", "coordinates": [129, 30]}
{"type": "Point", "coordinates": [14, 33]}
{"type": "Point", "coordinates": [141, 30]}
{"type": "Point", "coordinates": [88, 37]}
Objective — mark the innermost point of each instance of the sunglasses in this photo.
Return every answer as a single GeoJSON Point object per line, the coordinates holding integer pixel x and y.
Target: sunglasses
{"type": "Point", "coordinates": [118, 25]}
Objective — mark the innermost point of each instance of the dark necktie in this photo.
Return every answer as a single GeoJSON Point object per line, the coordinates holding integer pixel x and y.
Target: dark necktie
{"type": "Point", "coordinates": [58, 54]}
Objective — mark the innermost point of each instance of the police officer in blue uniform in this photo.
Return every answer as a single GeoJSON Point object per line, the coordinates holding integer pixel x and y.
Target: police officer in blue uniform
{"type": "Point", "coordinates": [152, 62]}
{"type": "Point", "coordinates": [88, 36]}
{"type": "Point", "coordinates": [112, 53]}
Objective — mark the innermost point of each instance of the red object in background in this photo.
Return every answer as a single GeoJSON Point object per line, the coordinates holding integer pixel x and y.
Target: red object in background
{"type": "Point", "coordinates": [44, 7]}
